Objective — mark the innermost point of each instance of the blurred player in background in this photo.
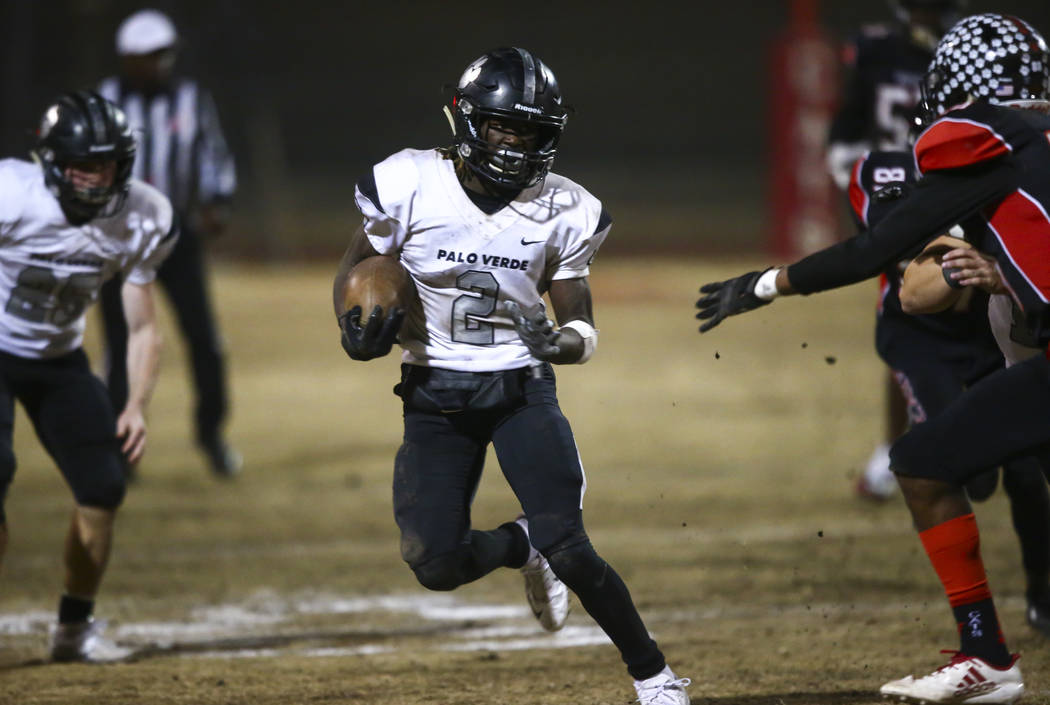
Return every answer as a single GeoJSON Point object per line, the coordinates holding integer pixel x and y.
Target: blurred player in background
{"type": "Point", "coordinates": [935, 355]}
{"type": "Point", "coordinates": [885, 64]}
{"type": "Point", "coordinates": [69, 222]}
{"type": "Point", "coordinates": [183, 153]}
{"type": "Point", "coordinates": [485, 230]}
{"type": "Point", "coordinates": [985, 163]}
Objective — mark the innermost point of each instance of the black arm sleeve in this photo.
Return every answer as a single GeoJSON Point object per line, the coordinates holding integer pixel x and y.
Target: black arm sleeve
{"type": "Point", "coordinates": [940, 200]}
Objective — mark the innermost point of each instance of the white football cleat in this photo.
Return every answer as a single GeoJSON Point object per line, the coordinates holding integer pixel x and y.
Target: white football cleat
{"type": "Point", "coordinates": [877, 482]}
{"type": "Point", "coordinates": [966, 679]}
{"type": "Point", "coordinates": [548, 597]}
{"type": "Point", "coordinates": [83, 641]}
{"type": "Point", "coordinates": [665, 688]}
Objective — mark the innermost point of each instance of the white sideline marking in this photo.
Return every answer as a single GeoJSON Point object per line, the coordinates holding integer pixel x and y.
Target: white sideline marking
{"type": "Point", "coordinates": [266, 616]}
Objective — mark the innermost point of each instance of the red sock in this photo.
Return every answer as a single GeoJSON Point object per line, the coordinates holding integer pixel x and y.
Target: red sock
{"type": "Point", "coordinates": [954, 548]}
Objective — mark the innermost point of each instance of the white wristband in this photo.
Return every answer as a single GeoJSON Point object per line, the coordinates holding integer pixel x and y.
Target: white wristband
{"type": "Point", "coordinates": [766, 286]}
{"type": "Point", "coordinates": [589, 335]}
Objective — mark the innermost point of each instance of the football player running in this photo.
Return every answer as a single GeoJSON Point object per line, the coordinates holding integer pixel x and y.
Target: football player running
{"type": "Point", "coordinates": [983, 162]}
{"type": "Point", "coordinates": [68, 223]}
{"type": "Point", "coordinates": [885, 64]}
{"type": "Point", "coordinates": [485, 229]}
{"type": "Point", "coordinates": [935, 338]}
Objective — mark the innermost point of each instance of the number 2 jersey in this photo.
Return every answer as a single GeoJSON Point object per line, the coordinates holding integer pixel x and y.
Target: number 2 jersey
{"type": "Point", "coordinates": [50, 270]}
{"type": "Point", "coordinates": [466, 263]}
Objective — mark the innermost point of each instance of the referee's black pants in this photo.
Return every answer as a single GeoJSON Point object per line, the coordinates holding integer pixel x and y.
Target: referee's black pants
{"type": "Point", "coordinates": [182, 276]}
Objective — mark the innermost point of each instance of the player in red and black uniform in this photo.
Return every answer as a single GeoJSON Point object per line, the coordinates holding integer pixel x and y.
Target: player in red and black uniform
{"type": "Point", "coordinates": [984, 162]}
{"type": "Point", "coordinates": [885, 64]}
{"type": "Point", "coordinates": [934, 357]}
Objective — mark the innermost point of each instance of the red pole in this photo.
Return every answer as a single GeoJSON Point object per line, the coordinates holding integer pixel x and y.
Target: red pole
{"type": "Point", "coordinates": [804, 76]}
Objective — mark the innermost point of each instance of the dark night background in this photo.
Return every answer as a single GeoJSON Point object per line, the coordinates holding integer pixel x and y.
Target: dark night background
{"type": "Point", "coordinates": [672, 106]}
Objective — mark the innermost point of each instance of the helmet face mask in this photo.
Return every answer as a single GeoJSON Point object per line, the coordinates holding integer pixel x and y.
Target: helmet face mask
{"type": "Point", "coordinates": [512, 88]}
{"type": "Point", "coordinates": [84, 130]}
{"type": "Point", "coordinates": [991, 58]}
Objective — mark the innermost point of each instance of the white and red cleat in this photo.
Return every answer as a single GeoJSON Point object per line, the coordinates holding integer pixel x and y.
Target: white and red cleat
{"type": "Point", "coordinates": [965, 679]}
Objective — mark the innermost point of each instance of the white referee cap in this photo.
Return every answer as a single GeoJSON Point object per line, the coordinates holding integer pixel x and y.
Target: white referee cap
{"type": "Point", "coordinates": [145, 32]}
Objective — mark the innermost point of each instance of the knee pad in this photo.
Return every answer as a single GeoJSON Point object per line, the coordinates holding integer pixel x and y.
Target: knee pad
{"type": "Point", "coordinates": [980, 487]}
{"type": "Point", "coordinates": [440, 573]}
{"type": "Point", "coordinates": [915, 455]}
{"type": "Point", "coordinates": [549, 531]}
{"type": "Point", "coordinates": [105, 492]}
{"type": "Point", "coordinates": [578, 565]}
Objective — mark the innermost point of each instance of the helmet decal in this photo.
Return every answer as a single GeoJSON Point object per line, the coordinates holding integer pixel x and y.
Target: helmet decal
{"type": "Point", "coordinates": [529, 67]}
{"type": "Point", "coordinates": [989, 57]}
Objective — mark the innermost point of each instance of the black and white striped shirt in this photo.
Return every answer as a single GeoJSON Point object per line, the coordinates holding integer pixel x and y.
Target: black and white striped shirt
{"type": "Point", "coordinates": [181, 148]}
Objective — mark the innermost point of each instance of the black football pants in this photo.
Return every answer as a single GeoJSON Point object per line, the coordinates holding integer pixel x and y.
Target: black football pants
{"type": "Point", "coordinates": [183, 278]}
{"type": "Point", "coordinates": [1001, 418]}
{"type": "Point", "coordinates": [438, 469]}
{"type": "Point", "coordinates": [933, 372]}
{"type": "Point", "coordinates": [72, 417]}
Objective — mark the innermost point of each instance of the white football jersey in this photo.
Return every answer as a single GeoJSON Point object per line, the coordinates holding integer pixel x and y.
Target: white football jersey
{"type": "Point", "coordinates": [51, 271]}
{"type": "Point", "coordinates": [466, 263]}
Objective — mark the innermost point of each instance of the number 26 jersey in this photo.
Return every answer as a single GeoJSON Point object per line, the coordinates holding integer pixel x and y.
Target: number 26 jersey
{"type": "Point", "coordinates": [51, 271]}
{"type": "Point", "coordinates": [466, 263]}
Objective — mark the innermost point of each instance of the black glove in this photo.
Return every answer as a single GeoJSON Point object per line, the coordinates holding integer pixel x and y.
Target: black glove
{"type": "Point", "coordinates": [728, 298]}
{"type": "Point", "coordinates": [375, 338]}
{"type": "Point", "coordinates": [535, 330]}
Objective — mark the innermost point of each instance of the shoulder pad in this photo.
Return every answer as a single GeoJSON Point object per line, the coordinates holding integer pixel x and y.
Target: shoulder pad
{"type": "Point", "coordinates": [958, 140]}
{"type": "Point", "coordinates": [396, 178]}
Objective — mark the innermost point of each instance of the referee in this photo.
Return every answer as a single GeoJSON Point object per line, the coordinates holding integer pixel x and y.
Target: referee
{"type": "Point", "coordinates": [183, 153]}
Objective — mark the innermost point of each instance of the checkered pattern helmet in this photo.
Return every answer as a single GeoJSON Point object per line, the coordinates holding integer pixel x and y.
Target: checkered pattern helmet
{"type": "Point", "coordinates": [992, 58]}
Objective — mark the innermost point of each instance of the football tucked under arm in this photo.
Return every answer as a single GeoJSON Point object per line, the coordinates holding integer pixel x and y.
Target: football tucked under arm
{"type": "Point", "coordinates": [930, 285]}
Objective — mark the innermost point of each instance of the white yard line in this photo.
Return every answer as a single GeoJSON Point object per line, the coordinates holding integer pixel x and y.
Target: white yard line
{"type": "Point", "coordinates": [266, 625]}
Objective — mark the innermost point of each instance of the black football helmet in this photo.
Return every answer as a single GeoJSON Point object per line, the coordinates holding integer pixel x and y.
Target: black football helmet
{"type": "Point", "coordinates": [82, 126]}
{"type": "Point", "coordinates": [512, 84]}
{"type": "Point", "coordinates": [990, 57]}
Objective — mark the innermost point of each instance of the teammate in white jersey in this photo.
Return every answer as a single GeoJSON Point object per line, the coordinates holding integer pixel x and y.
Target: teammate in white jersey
{"type": "Point", "coordinates": [485, 230]}
{"type": "Point", "coordinates": [68, 223]}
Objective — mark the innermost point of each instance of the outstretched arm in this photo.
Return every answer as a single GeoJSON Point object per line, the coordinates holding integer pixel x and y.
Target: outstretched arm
{"type": "Point", "coordinates": [939, 201]}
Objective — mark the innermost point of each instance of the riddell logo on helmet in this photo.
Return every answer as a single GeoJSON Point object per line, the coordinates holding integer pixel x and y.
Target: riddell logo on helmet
{"type": "Point", "coordinates": [101, 148]}
{"type": "Point", "coordinates": [528, 109]}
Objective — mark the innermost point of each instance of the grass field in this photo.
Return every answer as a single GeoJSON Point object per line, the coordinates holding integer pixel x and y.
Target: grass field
{"type": "Point", "coordinates": [720, 473]}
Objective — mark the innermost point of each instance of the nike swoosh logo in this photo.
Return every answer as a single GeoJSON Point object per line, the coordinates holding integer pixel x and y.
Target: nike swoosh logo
{"type": "Point", "coordinates": [530, 242]}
